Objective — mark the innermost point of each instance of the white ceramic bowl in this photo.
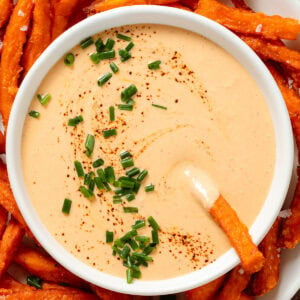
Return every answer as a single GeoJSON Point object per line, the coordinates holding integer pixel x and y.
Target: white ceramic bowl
{"type": "Point", "coordinates": [188, 21]}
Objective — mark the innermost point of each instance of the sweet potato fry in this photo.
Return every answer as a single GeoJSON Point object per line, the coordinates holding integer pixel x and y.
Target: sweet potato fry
{"type": "Point", "coordinates": [104, 294]}
{"type": "Point", "coordinates": [180, 6]}
{"type": "Point", "coordinates": [241, 4]}
{"type": "Point", "coordinates": [80, 12]}
{"type": "Point", "coordinates": [252, 259]}
{"type": "Point", "coordinates": [246, 297]}
{"type": "Point", "coordinates": [290, 234]}
{"type": "Point", "coordinates": [62, 11]}
{"type": "Point", "coordinates": [67, 294]}
{"type": "Point", "coordinates": [8, 202]}
{"type": "Point", "coordinates": [103, 5]}
{"type": "Point", "coordinates": [235, 284]}
{"type": "Point", "coordinates": [267, 278]}
{"type": "Point", "coordinates": [257, 24]}
{"type": "Point", "coordinates": [9, 283]}
{"type": "Point", "coordinates": [3, 220]}
{"type": "Point", "coordinates": [2, 143]}
{"type": "Point", "coordinates": [270, 50]}
{"type": "Point", "coordinates": [9, 244]}
{"type": "Point", "coordinates": [14, 40]}
{"type": "Point", "coordinates": [40, 36]}
{"type": "Point", "coordinates": [6, 8]}
{"type": "Point", "coordinates": [207, 291]}
{"type": "Point", "coordinates": [45, 267]}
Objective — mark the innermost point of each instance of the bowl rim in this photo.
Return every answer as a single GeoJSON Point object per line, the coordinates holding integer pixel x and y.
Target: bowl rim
{"type": "Point", "coordinates": [150, 14]}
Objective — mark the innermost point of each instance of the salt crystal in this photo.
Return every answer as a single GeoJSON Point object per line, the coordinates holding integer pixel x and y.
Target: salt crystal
{"type": "Point", "coordinates": [24, 28]}
{"type": "Point", "coordinates": [278, 249]}
{"type": "Point", "coordinates": [258, 28]}
{"type": "Point", "coordinates": [290, 83]}
{"type": "Point", "coordinates": [21, 13]}
{"type": "Point", "coordinates": [285, 213]}
{"type": "Point", "coordinates": [1, 44]}
{"type": "Point", "coordinates": [241, 271]}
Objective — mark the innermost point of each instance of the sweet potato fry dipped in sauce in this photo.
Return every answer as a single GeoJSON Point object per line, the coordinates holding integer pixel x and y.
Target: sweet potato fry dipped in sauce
{"type": "Point", "coordinates": [113, 118]}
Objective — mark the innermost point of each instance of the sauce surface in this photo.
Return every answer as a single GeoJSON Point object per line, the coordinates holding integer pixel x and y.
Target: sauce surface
{"type": "Point", "coordinates": [216, 119]}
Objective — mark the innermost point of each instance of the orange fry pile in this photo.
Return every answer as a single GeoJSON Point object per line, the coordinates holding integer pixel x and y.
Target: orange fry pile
{"type": "Point", "coordinates": [26, 29]}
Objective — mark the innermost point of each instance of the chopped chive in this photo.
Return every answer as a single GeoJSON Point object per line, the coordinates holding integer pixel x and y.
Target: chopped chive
{"type": "Point", "coordinates": [95, 57]}
{"type": "Point", "coordinates": [116, 184]}
{"type": "Point", "coordinates": [99, 183]}
{"type": "Point", "coordinates": [125, 252]}
{"type": "Point", "coordinates": [109, 236]}
{"type": "Point", "coordinates": [98, 163]}
{"type": "Point", "coordinates": [133, 172]}
{"type": "Point", "coordinates": [92, 185]}
{"type": "Point", "coordinates": [148, 249]}
{"type": "Point", "coordinates": [136, 187]}
{"type": "Point", "coordinates": [127, 93]}
{"type": "Point", "coordinates": [79, 168]}
{"type": "Point", "coordinates": [35, 281]}
{"type": "Point", "coordinates": [153, 223]}
{"type": "Point", "coordinates": [136, 273]}
{"type": "Point", "coordinates": [114, 67]}
{"type": "Point", "coordinates": [159, 106]}
{"type": "Point", "coordinates": [89, 144]}
{"type": "Point", "coordinates": [86, 42]}
{"type": "Point", "coordinates": [69, 59]}
{"type": "Point", "coordinates": [154, 65]}
{"type": "Point", "coordinates": [117, 199]}
{"type": "Point", "coordinates": [129, 46]}
{"type": "Point", "coordinates": [109, 44]}
{"type": "Point", "coordinates": [122, 192]}
{"type": "Point", "coordinates": [119, 243]}
{"type": "Point", "coordinates": [88, 177]}
{"type": "Point", "coordinates": [130, 197]}
{"type": "Point", "coordinates": [142, 238]}
{"type": "Point", "coordinates": [75, 121]}
{"type": "Point", "coordinates": [138, 224]}
{"type": "Point", "coordinates": [130, 234]}
{"type": "Point", "coordinates": [127, 107]}
{"type": "Point", "coordinates": [155, 238]}
{"type": "Point", "coordinates": [142, 175]}
{"type": "Point", "coordinates": [99, 45]}
{"type": "Point", "coordinates": [109, 132]}
{"type": "Point", "coordinates": [34, 114]}
{"type": "Point", "coordinates": [125, 55]}
{"type": "Point", "coordinates": [111, 113]}
{"type": "Point", "coordinates": [133, 244]}
{"type": "Point", "coordinates": [67, 206]}
{"type": "Point", "coordinates": [101, 175]}
{"type": "Point", "coordinates": [85, 192]}
{"type": "Point", "coordinates": [109, 174]}
{"type": "Point", "coordinates": [130, 209]}
{"type": "Point", "coordinates": [107, 54]}
{"type": "Point", "coordinates": [142, 256]}
{"type": "Point", "coordinates": [127, 162]}
{"type": "Point", "coordinates": [126, 182]}
{"type": "Point", "coordinates": [44, 99]}
{"type": "Point", "coordinates": [106, 185]}
{"type": "Point", "coordinates": [129, 277]}
{"type": "Point", "coordinates": [123, 37]}
{"type": "Point", "coordinates": [104, 78]}
{"type": "Point", "coordinates": [149, 188]}
{"type": "Point", "coordinates": [125, 154]}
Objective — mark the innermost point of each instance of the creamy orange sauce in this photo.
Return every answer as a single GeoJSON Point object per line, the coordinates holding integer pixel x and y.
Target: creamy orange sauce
{"type": "Point", "coordinates": [216, 119]}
